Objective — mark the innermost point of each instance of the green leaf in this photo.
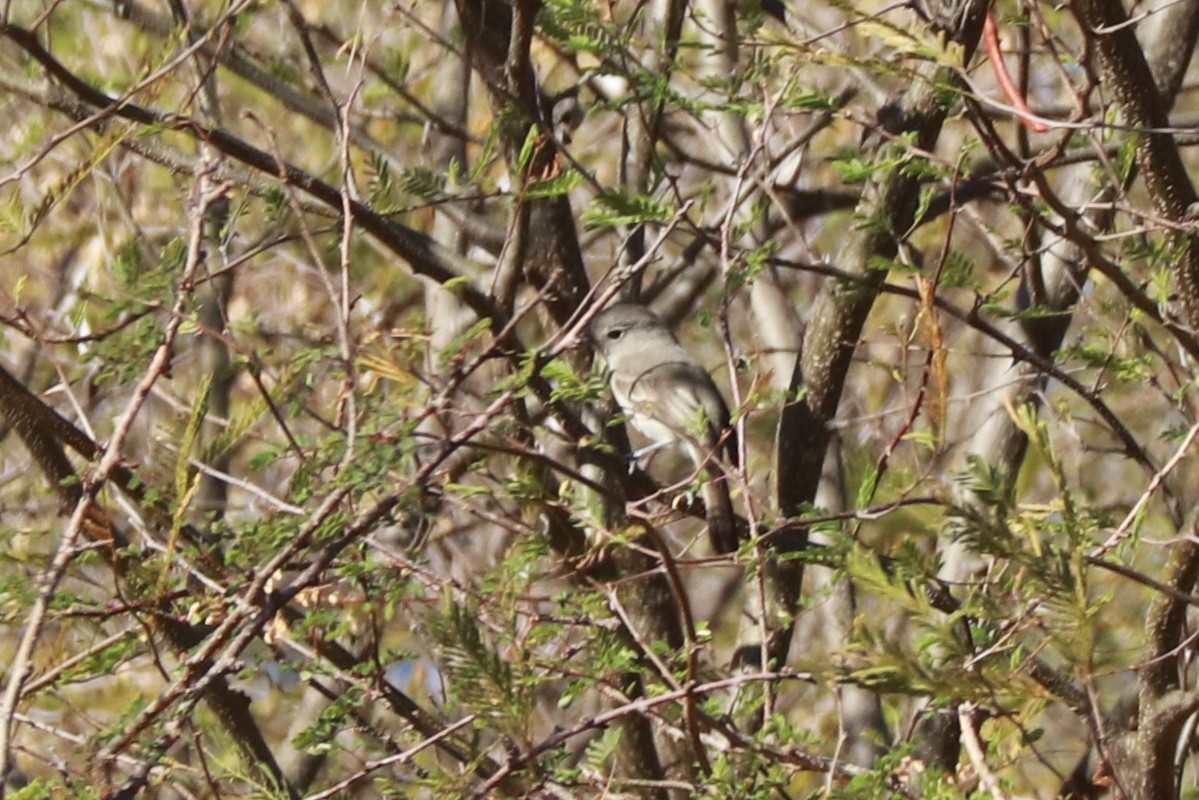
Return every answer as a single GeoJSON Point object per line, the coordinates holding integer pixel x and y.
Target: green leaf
{"type": "Point", "coordinates": [422, 182]}
{"type": "Point", "coordinates": [555, 187]}
{"type": "Point", "coordinates": [615, 208]}
{"type": "Point", "coordinates": [455, 346]}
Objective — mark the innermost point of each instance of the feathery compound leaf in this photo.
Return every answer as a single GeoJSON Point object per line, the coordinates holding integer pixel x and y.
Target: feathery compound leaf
{"type": "Point", "coordinates": [422, 182]}
{"type": "Point", "coordinates": [616, 208]}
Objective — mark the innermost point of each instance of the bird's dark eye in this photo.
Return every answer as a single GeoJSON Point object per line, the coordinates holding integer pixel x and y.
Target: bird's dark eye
{"type": "Point", "coordinates": [615, 333]}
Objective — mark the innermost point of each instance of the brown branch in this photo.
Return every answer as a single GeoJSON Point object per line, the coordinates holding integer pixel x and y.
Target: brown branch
{"type": "Point", "coordinates": [423, 254]}
{"type": "Point", "coordinates": [1127, 71]}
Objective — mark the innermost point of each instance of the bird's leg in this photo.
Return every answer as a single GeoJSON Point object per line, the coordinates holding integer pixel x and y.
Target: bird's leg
{"type": "Point", "coordinates": [641, 453]}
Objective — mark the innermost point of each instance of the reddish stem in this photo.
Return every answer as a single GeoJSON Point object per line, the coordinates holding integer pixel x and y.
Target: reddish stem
{"type": "Point", "coordinates": [1010, 90]}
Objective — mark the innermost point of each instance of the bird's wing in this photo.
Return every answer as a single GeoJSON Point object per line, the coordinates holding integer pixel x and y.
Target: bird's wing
{"type": "Point", "coordinates": [683, 397]}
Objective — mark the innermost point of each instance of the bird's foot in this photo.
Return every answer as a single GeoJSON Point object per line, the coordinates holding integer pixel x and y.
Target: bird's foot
{"type": "Point", "coordinates": [648, 450]}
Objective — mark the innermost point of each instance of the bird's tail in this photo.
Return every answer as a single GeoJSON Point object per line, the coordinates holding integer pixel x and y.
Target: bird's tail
{"type": "Point", "coordinates": [722, 521]}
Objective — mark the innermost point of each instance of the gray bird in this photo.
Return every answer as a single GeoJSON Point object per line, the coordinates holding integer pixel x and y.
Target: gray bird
{"type": "Point", "coordinates": [670, 398]}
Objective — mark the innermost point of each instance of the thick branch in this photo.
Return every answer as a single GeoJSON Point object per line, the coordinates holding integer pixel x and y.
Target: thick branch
{"type": "Point", "coordinates": [1126, 70]}
{"type": "Point", "coordinates": [887, 210]}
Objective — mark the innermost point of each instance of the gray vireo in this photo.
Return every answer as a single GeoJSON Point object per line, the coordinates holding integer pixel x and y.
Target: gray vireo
{"type": "Point", "coordinates": [670, 398]}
